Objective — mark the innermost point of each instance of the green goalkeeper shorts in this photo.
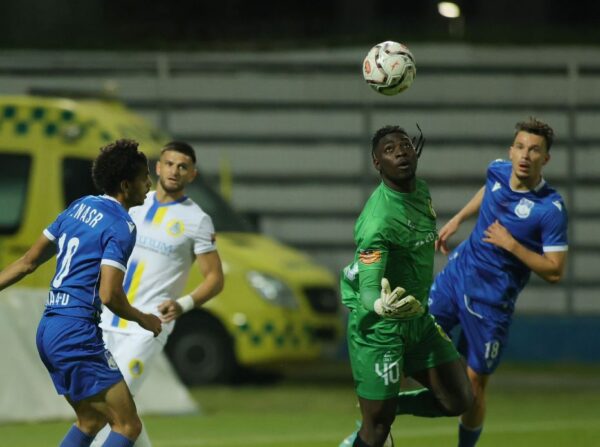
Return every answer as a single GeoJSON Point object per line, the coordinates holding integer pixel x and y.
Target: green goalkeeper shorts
{"type": "Point", "coordinates": [382, 350]}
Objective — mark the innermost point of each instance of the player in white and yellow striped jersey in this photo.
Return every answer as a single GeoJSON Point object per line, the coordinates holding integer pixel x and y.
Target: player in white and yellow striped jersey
{"type": "Point", "coordinates": [172, 233]}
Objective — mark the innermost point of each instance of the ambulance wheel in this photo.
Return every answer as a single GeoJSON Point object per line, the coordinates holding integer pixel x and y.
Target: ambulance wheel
{"type": "Point", "coordinates": [201, 350]}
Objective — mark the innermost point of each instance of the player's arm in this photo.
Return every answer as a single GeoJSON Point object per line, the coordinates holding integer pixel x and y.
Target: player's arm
{"type": "Point", "coordinates": [212, 271]}
{"type": "Point", "coordinates": [550, 266]}
{"type": "Point", "coordinates": [451, 227]}
{"type": "Point", "coordinates": [113, 296]}
{"type": "Point", "coordinates": [41, 251]}
{"type": "Point", "coordinates": [370, 286]}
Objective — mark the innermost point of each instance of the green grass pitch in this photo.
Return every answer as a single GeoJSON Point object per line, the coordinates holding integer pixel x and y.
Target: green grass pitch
{"type": "Point", "coordinates": [528, 407]}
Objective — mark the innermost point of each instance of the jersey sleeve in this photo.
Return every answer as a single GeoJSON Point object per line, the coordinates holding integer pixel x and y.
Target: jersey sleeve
{"type": "Point", "coordinates": [204, 237]}
{"type": "Point", "coordinates": [52, 231]}
{"type": "Point", "coordinates": [372, 258]}
{"type": "Point", "coordinates": [118, 246]}
{"type": "Point", "coordinates": [499, 170]}
{"type": "Point", "coordinates": [554, 228]}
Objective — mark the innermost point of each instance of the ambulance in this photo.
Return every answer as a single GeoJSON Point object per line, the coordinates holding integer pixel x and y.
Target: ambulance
{"type": "Point", "coordinates": [277, 307]}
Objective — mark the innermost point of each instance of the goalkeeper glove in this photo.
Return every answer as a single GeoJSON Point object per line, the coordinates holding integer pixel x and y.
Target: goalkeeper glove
{"type": "Point", "coordinates": [390, 304]}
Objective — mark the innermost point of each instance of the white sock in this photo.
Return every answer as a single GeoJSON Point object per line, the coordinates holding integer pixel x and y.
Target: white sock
{"type": "Point", "coordinates": [101, 437]}
{"type": "Point", "coordinates": [143, 440]}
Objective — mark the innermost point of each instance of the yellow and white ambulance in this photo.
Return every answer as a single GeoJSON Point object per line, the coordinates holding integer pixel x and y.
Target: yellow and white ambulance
{"type": "Point", "coordinates": [277, 306]}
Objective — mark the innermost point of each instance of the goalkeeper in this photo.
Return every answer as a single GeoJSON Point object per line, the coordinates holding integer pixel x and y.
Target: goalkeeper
{"type": "Point", "coordinates": [390, 333]}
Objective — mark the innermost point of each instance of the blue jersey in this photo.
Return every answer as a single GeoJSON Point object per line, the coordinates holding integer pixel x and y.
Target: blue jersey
{"type": "Point", "coordinates": [93, 231]}
{"type": "Point", "coordinates": [537, 219]}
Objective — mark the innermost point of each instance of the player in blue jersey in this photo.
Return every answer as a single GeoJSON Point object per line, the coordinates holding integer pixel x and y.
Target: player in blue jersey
{"type": "Point", "coordinates": [94, 237]}
{"type": "Point", "coordinates": [522, 227]}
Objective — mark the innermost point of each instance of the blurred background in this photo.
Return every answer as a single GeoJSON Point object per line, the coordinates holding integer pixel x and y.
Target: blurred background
{"type": "Point", "coordinates": [271, 96]}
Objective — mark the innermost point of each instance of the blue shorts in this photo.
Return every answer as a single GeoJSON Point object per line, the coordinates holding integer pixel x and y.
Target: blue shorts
{"type": "Point", "coordinates": [73, 352]}
{"type": "Point", "coordinates": [484, 327]}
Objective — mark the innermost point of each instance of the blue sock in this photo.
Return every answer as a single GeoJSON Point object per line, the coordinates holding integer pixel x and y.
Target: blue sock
{"type": "Point", "coordinates": [76, 438]}
{"type": "Point", "coordinates": [117, 440]}
{"type": "Point", "coordinates": [467, 437]}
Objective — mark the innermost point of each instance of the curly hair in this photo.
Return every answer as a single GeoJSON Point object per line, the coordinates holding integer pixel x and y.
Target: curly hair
{"type": "Point", "coordinates": [117, 161]}
{"type": "Point", "coordinates": [536, 127]}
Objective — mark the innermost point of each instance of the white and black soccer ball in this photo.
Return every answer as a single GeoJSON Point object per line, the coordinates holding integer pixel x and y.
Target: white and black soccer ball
{"type": "Point", "coordinates": [389, 68]}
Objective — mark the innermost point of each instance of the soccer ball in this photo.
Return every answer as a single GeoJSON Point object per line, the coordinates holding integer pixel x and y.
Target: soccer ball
{"type": "Point", "coordinates": [389, 68]}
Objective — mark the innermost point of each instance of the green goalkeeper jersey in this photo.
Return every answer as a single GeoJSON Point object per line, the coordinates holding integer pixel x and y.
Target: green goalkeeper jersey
{"type": "Point", "coordinates": [394, 235]}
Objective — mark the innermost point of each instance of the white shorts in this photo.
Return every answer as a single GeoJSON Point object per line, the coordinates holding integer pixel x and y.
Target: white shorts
{"type": "Point", "coordinates": [134, 354]}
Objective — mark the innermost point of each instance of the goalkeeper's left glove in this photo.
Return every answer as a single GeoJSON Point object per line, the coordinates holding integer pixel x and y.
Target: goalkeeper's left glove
{"type": "Point", "coordinates": [390, 304]}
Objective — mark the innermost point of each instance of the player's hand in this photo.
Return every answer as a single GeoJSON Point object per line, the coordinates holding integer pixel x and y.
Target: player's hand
{"type": "Point", "coordinates": [169, 310]}
{"type": "Point", "coordinates": [390, 304]}
{"type": "Point", "coordinates": [447, 230]}
{"type": "Point", "coordinates": [498, 235]}
{"type": "Point", "coordinates": [151, 323]}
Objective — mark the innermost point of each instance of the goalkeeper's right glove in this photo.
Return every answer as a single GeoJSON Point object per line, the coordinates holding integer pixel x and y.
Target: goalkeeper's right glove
{"type": "Point", "coordinates": [390, 304]}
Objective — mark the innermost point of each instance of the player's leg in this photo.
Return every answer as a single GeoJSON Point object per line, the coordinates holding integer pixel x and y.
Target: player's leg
{"type": "Point", "coordinates": [111, 341]}
{"type": "Point", "coordinates": [98, 383]}
{"type": "Point", "coordinates": [483, 337]}
{"type": "Point", "coordinates": [84, 371]}
{"type": "Point", "coordinates": [372, 408]}
{"type": "Point", "coordinates": [82, 432]}
{"type": "Point", "coordinates": [114, 406]}
{"type": "Point", "coordinates": [434, 362]}
{"type": "Point", "coordinates": [138, 357]}
{"type": "Point", "coordinates": [447, 392]}
{"type": "Point", "coordinates": [118, 408]}
{"type": "Point", "coordinates": [471, 421]}
{"type": "Point", "coordinates": [377, 418]}
{"type": "Point", "coordinates": [435, 355]}
{"type": "Point", "coordinates": [101, 437]}
{"type": "Point", "coordinates": [351, 439]}
{"type": "Point", "coordinates": [375, 350]}
{"type": "Point", "coordinates": [134, 353]}
{"type": "Point", "coordinates": [89, 422]}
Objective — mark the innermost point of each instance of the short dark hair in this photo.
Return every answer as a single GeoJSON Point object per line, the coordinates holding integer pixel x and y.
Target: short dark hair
{"type": "Point", "coordinates": [117, 161]}
{"type": "Point", "coordinates": [385, 130]}
{"type": "Point", "coordinates": [180, 146]}
{"type": "Point", "coordinates": [536, 127]}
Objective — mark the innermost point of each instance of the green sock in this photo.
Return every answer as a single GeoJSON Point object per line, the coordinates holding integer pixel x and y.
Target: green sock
{"type": "Point", "coordinates": [419, 402]}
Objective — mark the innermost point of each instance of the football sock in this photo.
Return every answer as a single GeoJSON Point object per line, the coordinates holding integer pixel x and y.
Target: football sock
{"type": "Point", "coordinates": [419, 402]}
{"type": "Point", "coordinates": [117, 440]}
{"type": "Point", "coordinates": [468, 437]}
{"type": "Point", "coordinates": [76, 438]}
{"type": "Point", "coordinates": [101, 436]}
{"type": "Point", "coordinates": [143, 440]}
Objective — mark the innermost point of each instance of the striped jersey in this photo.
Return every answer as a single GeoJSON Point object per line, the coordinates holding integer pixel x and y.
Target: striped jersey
{"type": "Point", "coordinates": [169, 236]}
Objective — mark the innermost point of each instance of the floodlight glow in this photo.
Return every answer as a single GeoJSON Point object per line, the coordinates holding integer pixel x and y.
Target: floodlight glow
{"type": "Point", "coordinates": [449, 10]}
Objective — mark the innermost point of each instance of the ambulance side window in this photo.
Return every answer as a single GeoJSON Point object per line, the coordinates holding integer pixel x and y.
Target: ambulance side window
{"type": "Point", "coordinates": [14, 179]}
{"type": "Point", "coordinates": [77, 179]}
